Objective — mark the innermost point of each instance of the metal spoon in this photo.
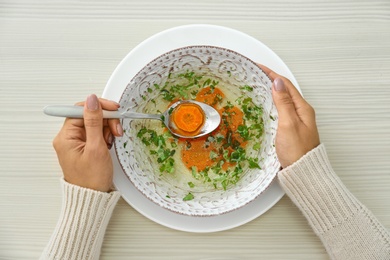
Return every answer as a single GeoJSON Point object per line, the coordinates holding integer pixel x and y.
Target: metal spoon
{"type": "Point", "coordinates": [213, 119]}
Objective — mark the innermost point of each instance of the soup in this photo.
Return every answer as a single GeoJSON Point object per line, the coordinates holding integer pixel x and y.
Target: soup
{"type": "Point", "coordinates": [217, 160]}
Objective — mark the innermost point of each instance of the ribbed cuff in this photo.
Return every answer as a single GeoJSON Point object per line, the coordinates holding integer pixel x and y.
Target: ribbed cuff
{"type": "Point", "coordinates": [314, 187]}
{"type": "Point", "coordinates": [82, 224]}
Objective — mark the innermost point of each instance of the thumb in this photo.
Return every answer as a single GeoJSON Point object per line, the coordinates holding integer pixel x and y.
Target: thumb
{"type": "Point", "coordinates": [93, 120]}
{"type": "Point", "coordinates": [283, 101]}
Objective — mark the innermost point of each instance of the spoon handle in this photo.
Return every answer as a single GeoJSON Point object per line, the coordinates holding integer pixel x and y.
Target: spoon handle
{"type": "Point", "coordinates": [75, 112]}
{"type": "Point", "coordinates": [78, 111]}
{"type": "Point", "coordinates": [135, 115]}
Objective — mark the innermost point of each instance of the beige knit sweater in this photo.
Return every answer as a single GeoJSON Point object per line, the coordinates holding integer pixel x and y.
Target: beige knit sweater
{"type": "Point", "coordinates": [347, 229]}
{"type": "Point", "coordinates": [83, 221]}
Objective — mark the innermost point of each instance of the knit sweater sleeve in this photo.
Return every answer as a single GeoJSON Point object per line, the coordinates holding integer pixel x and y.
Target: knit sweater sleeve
{"type": "Point", "coordinates": [345, 226]}
{"type": "Point", "coordinates": [83, 221]}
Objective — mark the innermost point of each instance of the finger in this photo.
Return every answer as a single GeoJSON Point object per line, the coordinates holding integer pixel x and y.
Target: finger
{"type": "Point", "coordinates": [295, 95]}
{"type": "Point", "coordinates": [270, 73]}
{"type": "Point", "coordinates": [74, 121]}
{"type": "Point", "coordinates": [105, 104]}
{"type": "Point", "coordinates": [283, 101]}
{"type": "Point", "coordinates": [114, 124]}
{"type": "Point", "coordinates": [108, 137]}
{"type": "Point", "coordinates": [93, 121]}
{"type": "Point", "coordinates": [109, 104]}
{"type": "Point", "coordinates": [115, 127]}
{"type": "Point", "coordinates": [302, 108]}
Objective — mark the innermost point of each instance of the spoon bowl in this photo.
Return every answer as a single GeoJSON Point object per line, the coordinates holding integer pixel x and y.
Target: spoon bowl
{"type": "Point", "coordinates": [211, 121]}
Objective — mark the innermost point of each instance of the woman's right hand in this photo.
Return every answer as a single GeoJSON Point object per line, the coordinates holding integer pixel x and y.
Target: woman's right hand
{"type": "Point", "coordinates": [82, 146]}
{"type": "Point", "coordinates": [297, 131]}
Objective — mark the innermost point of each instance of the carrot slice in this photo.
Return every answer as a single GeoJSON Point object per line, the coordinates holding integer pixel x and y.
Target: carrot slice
{"type": "Point", "coordinates": [188, 117]}
{"type": "Point", "coordinates": [210, 96]}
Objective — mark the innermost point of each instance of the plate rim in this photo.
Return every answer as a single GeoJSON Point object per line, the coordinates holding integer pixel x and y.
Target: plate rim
{"type": "Point", "coordinates": [162, 43]}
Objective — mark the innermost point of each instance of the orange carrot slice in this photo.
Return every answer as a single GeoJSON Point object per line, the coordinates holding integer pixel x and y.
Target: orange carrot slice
{"type": "Point", "coordinates": [188, 117]}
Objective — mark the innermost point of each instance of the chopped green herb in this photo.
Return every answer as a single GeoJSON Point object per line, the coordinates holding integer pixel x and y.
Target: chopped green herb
{"type": "Point", "coordinates": [188, 197]}
{"type": "Point", "coordinates": [256, 146]}
{"type": "Point", "coordinates": [168, 166]}
{"type": "Point", "coordinates": [160, 150]}
{"type": "Point", "coordinates": [253, 163]}
{"type": "Point", "coordinates": [247, 88]}
{"type": "Point", "coordinates": [167, 95]}
{"type": "Point", "coordinates": [220, 138]}
{"type": "Point", "coordinates": [229, 105]}
{"type": "Point", "coordinates": [243, 131]}
{"type": "Point", "coordinates": [238, 155]}
{"type": "Point", "coordinates": [174, 144]}
{"type": "Point", "coordinates": [213, 155]}
{"type": "Point", "coordinates": [206, 82]}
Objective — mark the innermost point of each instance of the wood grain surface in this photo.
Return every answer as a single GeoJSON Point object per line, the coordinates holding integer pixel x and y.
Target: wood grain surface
{"type": "Point", "coordinates": [58, 52]}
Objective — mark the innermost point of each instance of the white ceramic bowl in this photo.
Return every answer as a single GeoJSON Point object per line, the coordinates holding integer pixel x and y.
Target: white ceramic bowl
{"type": "Point", "coordinates": [137, 163]}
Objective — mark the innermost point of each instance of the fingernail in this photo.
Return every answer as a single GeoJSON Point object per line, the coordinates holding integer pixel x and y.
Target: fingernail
{"type": "Point", "coordinates": [119, 129]}
{"type": "Point", "coordinates": [92, 102]}
{"type": "Point", "coordinates": [279, 85]}
{"type": "Point", "coordinates": [110, 141]}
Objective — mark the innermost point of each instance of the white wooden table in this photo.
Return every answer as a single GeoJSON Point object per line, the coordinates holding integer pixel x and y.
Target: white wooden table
{"type": "Point", "coordinates": [54, 52]}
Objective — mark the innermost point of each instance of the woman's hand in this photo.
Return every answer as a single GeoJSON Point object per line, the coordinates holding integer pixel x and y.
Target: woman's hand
{"type": "Point", "coordinates": [82, 146]}
{"type": "Point", "coordinates": [297, 130]}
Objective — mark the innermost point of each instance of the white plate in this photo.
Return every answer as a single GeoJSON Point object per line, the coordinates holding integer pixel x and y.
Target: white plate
{"type": "Point", "coordinates": [144, 53]}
